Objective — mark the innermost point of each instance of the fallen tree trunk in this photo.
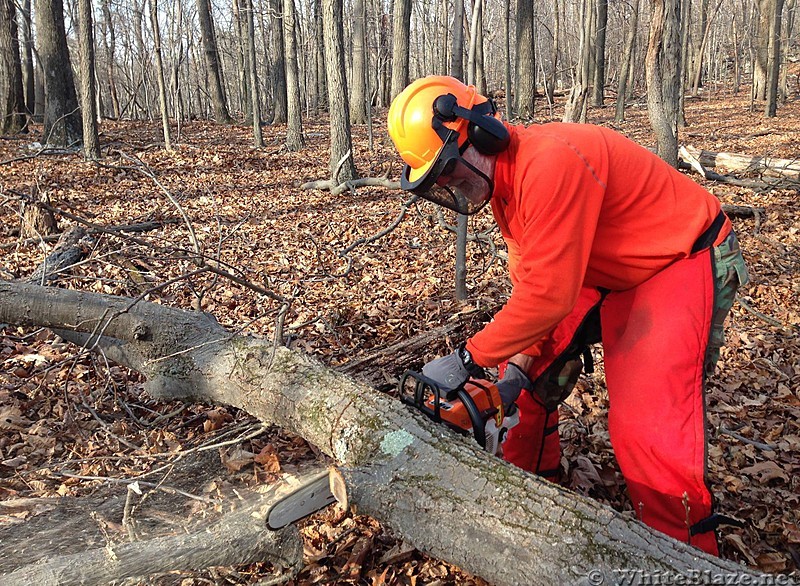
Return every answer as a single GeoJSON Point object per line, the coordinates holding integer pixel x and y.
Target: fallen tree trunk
{"type": "Point", "coordinates": [762, 166]}
{"type": "Point", "coordinates": [437, 491]}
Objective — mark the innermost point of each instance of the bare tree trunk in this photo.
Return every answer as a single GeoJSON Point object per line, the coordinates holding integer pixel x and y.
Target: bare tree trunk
{"type": "Point", "coordinates": [109, 40]}
{"type": "Point", "coordinates": [358, 93]}
{"type": "Point", "coordinates": [341, 163]}
{"type": "Point", "coordinates": [507, 60]}
{"type": "Point", "coordinates": [12, 96]}
{"type": "Point", "coordinates": [280, 68]}
{"type": "Point", "coordinates": [242, 53]}
{"type": "Point", "coordinates": [401, 33]}
{"type": "Point", "coordinates": [600, 54]}
{"type": "Point", "coordinates": [210, 52]}
{"type": "Point", "coordinates": [761, 42]}
{"type": "Point", "coordinates": [526, 61]}
{"type": "Point", "coordinates": [91, 142]}
{"type": "Point", "coordinates": [26, 51]}
{"type": "Point", "coordinates": [294, 125]}
{"type": "Point", "coordinates": [457, 47]}
{"type": "Point", "coordinates": [510, 528]}
{"type": "Point", "coordinates": [575, 108]}
{"type": "Point", "coordinates": [663, 77]}
{"type": "Point", "coordinates": [162, 86]}
{"type": "Point", "coordinates": [255, 105]}
{"type": "Point", "coordinates": [698, 71]}
{"type": "Point", "coordinates": [62, 121]}
{"type": "Point", "coordinates": [775, 9]}
{"type": "Point", "coordinates": [630, 39]}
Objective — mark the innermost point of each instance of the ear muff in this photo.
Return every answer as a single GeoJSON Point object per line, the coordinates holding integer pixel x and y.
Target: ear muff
{"type": "Point", "coordinates": [485, 132]}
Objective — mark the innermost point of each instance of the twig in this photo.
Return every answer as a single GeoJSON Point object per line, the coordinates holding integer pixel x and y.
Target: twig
{"type": "Point", "coordinates": [167, 489]}
{"type": "Point", "coordinates": [725, 431]}
{"type": "Point", "coordinates": [765, 318]}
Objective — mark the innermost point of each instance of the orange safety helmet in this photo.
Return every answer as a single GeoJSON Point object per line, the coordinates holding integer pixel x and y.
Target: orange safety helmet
{"type": "Point", "coordinates": [432, 122]}
{"type": "Point", "coordinates": [410, 120]}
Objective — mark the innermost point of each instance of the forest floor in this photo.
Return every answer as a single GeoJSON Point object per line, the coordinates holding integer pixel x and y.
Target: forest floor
{"type": "Point", "coordinates": [71, 424]}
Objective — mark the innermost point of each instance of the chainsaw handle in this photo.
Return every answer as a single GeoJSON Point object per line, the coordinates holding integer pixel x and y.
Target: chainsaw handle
{"type": "Point", "coordinates": [478, 425]}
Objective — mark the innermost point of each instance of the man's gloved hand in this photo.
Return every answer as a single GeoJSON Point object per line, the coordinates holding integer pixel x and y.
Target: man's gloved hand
{"type": "Point", "coordinates": [452, 371]}
{"type": "Point", "coordinates": [512, 383]}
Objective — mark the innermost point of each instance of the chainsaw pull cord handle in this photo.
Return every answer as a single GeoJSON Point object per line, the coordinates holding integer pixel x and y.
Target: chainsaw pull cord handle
{"type": "Point", "coordinates": [478, 427]}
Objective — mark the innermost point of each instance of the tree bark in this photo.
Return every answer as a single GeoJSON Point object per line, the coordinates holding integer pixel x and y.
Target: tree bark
{"type": "Point", "coordinates": [110, 42]}
{"type": "Point", "coordinates": [280, 67]}
{"type": "Point", "coordinates": [436, 490]}
{"type": "Point", "coordinates": [162, 88]}
{"type": "Point", "coordinates": [400, 47]}
{"type": "Point", "coordinates": [625, 65]}
{"type": "Point", "coordinates": [91, 142]}
{"type": "Point", "coordinates": [457, 46]}
{"type": "Point", "coordinates": [600, 54]}
{"type": "Point", "coordinates": [26, 52]}
{"type": "Point", "coordinates": [358, 85]}
{"type": "Point", "coordinates": [341, 163]}
{"type": "Point", "coordinates": [62, 121]}
{"type": "Point", "coordinates": [210, 52]}
{"type": "Point", "coordinates": [294, 124]}
{"type": "Point", "coordinates": [12, 96]}
{"type": "Point", "coordinates": [526, 64]}
{"type": "Point", "coordinates": [774, 61]}
{"type": "Point", "coordinates": [662, 68]}
{"type": "Point", "coordinates": [255, 104]}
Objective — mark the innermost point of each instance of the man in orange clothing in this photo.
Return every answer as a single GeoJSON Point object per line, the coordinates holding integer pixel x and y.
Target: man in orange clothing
{"type": "Point", "coordinates": [606, 242]}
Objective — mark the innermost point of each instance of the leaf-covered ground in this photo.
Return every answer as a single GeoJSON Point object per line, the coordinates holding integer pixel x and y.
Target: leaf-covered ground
{"type": "Point", "coordinates": [69, 421]}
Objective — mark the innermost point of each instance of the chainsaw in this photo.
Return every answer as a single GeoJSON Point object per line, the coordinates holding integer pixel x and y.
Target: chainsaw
{"type": "Point", "coordinates": [474, 409]}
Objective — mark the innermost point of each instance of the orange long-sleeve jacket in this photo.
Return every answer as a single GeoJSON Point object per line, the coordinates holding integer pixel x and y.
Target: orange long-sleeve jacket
{"type": "Point", "coordinates": [581, 205]}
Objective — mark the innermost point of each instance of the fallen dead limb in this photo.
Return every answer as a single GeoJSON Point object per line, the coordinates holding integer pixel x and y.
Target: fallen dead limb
{"type": "Point", "coordinates": [240, 537]}
{"type": "Point", "coordinates": [772, 175]}
{"type": "Point", "coordinates": [435, 490]}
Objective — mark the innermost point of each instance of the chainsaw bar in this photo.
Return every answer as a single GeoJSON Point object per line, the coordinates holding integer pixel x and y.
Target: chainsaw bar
{"type": "Point", "coordinates": [314, 494]}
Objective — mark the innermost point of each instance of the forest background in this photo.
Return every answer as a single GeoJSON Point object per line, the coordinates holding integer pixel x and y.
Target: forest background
{"type": "Point", "coordinates": [251, 135]}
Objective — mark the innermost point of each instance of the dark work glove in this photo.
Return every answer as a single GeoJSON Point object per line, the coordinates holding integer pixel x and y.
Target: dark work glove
{"type": "Point", "coordinates": [452, 371]}
{"type": "Point", "coordinates": [512, 383]}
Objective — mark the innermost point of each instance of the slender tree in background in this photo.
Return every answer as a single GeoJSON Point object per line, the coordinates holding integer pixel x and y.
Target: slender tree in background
{"type": "Point", "coordinates": [12, 98]}
{"type": "Point", "coordinates": [320, 76]}
{"type": "Point", "coordinates": [662, 69]}
{"type": "Point", "coordinates": [358, 85]}
{"type": "Point", "coordinates": [280, 68]}
{"type": "Point", "coordinates": [110, 45]}
{"type": "Point", "coordinates": [91, 142]}
{"type": "Point", "coordinates": [294, 126]}
{"type": "Point", "coordinates": [600, 54]}
{"type": "Point", "coordinates": [507, 63]}
{"type": "Point", "coordinates": [162, 88]}
{"type": "Point", "coordinates": [210, 52]}
{"type": "Point", "coordinates": [575, 108]}
{"type": "Point", "coordinates": [255, 107]}
{"type": "Point", "coordinates": [62, 121]}
{"type": "Point", "coordinates": [341, 160]}
{"type": "Point", "coordinates": [401, 32]}
{"type": "Point", "coordinates": [526, 64]}
{"type": "Point", "coordinates": [625, 64]}
{"type": "Point", "coordinates": [26, 52]}
{"type": "Point", "coordinates": [474, 69]}
{"type": "Point", "coordinates": [775, 9]}
{"type": "Point", "coordinates": [241, 51]}
{"type": "Point", "coordinates": [457, 46]}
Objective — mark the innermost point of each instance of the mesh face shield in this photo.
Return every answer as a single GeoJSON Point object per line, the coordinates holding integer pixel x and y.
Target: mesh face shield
{"type": "Point", "coordinates": [451, 181]}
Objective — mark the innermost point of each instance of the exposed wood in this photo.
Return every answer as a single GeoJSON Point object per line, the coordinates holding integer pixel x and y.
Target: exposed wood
{"type": "Point", "coordinates": [435, 490]}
